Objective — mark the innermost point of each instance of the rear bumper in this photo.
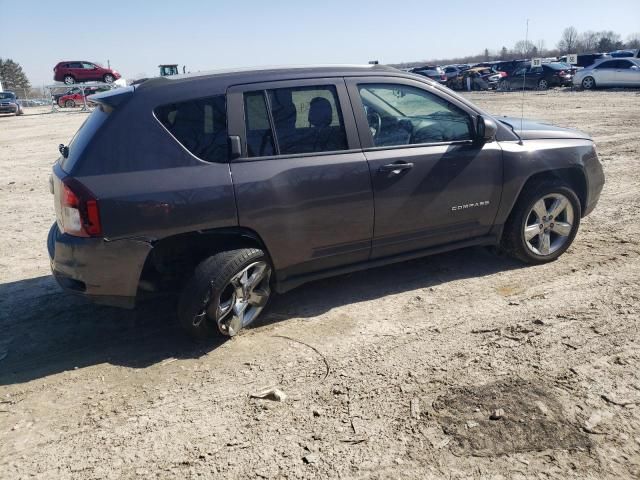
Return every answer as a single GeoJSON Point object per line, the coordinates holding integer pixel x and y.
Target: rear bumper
{"type": "Point", "coordinates": [106, 272]}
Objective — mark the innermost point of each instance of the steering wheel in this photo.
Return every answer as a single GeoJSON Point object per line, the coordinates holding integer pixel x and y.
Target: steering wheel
{"type": "Point", "coordinates": [375, 123]}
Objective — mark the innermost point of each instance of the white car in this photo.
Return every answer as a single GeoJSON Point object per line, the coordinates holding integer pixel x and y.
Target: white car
{"type": "Point", "coordinates": [609, 72]}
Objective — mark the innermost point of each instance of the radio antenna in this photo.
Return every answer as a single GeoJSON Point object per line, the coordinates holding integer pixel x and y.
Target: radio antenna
{"type": "Point", "coordinates": [524, 78]}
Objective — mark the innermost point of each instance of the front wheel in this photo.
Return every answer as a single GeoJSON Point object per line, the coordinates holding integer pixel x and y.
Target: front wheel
{"type": "Point", "coordinates": [69, 103]}
{"type": "Point", "coordinates": [227, 292]}
{"type": "Point", "coordinates": [543, 223]}
{"type": "Point", "coordinates": [504, 85]}
{"type": "Point", "coordinates": [589, 83]}
{"type": "Point", "coordinates": [108, 78]}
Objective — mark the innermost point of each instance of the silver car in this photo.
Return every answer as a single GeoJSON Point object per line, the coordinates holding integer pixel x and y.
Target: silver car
{"type": "Point", "coordinates": [609, 72]}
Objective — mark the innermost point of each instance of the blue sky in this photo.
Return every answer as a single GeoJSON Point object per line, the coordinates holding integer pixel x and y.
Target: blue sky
{"type": "Point", "coordinates": [138, 35]}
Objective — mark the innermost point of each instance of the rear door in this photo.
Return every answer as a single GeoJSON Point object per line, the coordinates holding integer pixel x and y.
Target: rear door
{"type": "Point", "coordinates": [432, 184]}
{"type": "Point", "coordinates": [302, 182]}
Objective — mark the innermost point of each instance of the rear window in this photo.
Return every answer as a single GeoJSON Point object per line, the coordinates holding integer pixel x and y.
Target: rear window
{"type": "Point", "coordinates": [199, 125]}
{"type": "Point", "coordinates": [80, 140]}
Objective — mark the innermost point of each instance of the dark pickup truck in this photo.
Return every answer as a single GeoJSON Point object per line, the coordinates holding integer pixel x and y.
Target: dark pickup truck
{"type": "Point", "coordinates": [229, 185]}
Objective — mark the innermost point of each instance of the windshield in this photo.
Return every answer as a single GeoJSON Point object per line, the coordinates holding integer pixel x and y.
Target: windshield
{"type": "Point", "coordinates": [7, 96]}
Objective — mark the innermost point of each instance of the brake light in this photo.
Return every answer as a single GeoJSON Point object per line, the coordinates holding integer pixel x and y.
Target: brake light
{"type": "Point", "coordinates": [79, 210]}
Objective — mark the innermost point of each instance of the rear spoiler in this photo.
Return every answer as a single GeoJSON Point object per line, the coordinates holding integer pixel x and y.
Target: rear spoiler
{"type": "Point", "coordinates": [112, 98]}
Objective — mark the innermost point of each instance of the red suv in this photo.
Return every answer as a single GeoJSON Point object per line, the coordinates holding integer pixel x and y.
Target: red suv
{"type": "Point", "coordinates": [72, 72]}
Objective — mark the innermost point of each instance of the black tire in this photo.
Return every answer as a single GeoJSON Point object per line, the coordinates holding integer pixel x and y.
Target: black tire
{"type": "Point", "coordinates": [543, 84]}
{"type": "Point", "coordinates": [513, 241]}
{"type": "Point", "coordinates": [205, 287]}
{"type": "Point", "coordinates": [108, 78]}
{"type": "Point", "coordinates": [504, 85]}
{"type": "Point", "coordinates": [69, 103]}
{"type": "Point", "coordinates": [69, 80]}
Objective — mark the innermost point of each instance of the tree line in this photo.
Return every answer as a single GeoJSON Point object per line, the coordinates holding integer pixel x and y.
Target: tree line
{"type": "Point", "coordinates": [571, 41]}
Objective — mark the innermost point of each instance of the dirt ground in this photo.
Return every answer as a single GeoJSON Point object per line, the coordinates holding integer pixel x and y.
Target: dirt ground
{"type": "Point", "coordinates": [389, 373]}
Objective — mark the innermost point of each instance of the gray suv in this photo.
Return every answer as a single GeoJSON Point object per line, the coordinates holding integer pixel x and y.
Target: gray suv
{"type": "Point", "coordinates": [228, 186]}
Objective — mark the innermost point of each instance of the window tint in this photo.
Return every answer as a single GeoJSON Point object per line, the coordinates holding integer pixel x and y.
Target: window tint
{"type": "Point", "coordinates": [609, 64]}
{"type": "Point", "coordinates": [304, 119]}
{"type": "Point", "coordinates": [199, 125]}
{"type": "Point", "coordinates": [623, 64]}
{"type": "Point", "coordinates": [88, 66]}
{"type": "Point", "coordinates": [404, 115]}
{"type": "Point", "coordinates": [259, 135]}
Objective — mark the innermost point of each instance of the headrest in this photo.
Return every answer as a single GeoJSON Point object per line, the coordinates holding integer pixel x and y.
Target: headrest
{"type": "Point", "coordinates": [320, 112]}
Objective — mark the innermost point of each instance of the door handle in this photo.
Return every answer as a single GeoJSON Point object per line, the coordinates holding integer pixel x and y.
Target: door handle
{"type": "Point", "coordinates": [395, 168]}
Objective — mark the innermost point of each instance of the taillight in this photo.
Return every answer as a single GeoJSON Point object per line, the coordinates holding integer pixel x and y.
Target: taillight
{"type": "Point", "coordinates": [79, 211]}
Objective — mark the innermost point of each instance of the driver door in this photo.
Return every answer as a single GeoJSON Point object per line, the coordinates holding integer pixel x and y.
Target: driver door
{"type": "Point", "coordinates": [432, 184]}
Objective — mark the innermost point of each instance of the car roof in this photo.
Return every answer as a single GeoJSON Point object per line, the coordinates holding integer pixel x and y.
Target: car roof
{"type": "Point", "coordinates": [268, 74]}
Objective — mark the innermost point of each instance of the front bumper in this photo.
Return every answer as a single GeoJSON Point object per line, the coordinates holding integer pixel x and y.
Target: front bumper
{"type": "Point", "coordinates": [595, 182]}
{"type": "Point", "coordinates": [107, 272]}
{"type": "Point", "coordinates": [8, 108]}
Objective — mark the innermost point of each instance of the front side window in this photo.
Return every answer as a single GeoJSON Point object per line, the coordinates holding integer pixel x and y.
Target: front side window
{"type": "Point", "coordinates": [287, 121]}
{"type": "Point", "coordinates": [405, 115]}
{"type": "Point", "coordinates": [199, 125]}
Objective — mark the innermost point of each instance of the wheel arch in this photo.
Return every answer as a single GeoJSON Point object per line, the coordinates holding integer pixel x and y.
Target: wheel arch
{"type": "Point", "coordinates": [172, 259]}
{"type": "Point", "coordinates": [572, 176]}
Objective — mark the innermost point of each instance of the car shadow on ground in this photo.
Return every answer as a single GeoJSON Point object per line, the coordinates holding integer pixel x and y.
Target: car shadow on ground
{"type": "Point", "coordinates": [44, 331]}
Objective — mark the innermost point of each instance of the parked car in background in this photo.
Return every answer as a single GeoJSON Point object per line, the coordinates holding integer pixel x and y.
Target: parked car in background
{"type": "Point", "coordinates": [610, 72]}
{"type": "Point", "coordinates": [433, 72]}
{"type": "Point", "coordinates": [546, 76]}
{"type": "Point", "coordinates": [622, 53]}
{"type": "Point", "coordinates": [71, 72]}
{"type": "Point", "coordinates": [9, 103]}
{"type": "Point", "coordinates": [585, 59]}
{"type": "Point", "coordinates": [75, 97]}
{"type": "Point", "coordinates": [508, 67]}
{"type": "Point", "coordinates": [295, 174]}
{"type": "Point", "coordinates": [452, 71]}
{"type": "Point", "coordinates": [481, 78]}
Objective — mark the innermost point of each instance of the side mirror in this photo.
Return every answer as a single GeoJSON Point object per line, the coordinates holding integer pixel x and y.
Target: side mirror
{"type": "Point", "coordinates": [235, 147]}
{"type": "Point", "coordinates": [486, 130]}
{"type": "Point", "coordinates": [635, 67]}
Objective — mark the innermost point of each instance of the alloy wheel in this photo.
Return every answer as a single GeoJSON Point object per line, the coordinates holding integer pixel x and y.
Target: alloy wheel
{"type": "Point", "coordinates": [588, 83]}
{"type": "Point", "coordinates": [543, 85]}
{"type": "Point", "coordinates": [549, 224]}
{"type": "Point", "coordinates": [108, 78]}
{"type": "Point", "coordinates": [240, 302]}
{"type": "Point", "coordinates": [69, 80]}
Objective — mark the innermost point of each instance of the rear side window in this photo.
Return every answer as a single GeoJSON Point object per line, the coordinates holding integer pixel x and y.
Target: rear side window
{"type": "Point", "coordinates": [199, 125]}
{"type": "Point", "coordinates": [304, 119]}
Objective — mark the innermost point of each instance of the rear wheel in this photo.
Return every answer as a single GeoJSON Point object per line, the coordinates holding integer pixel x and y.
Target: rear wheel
{"type": "Point", "coordinates": [227, 292]}
{"type": "Point", "coordinates": [543, 84]}
{"type": "Point", "coordinates": [69, 103]}
{"type": "Point", "coordinates": [69, 80]}
{"type": "Point", "coordinates": [589, 83]}
{"type": "Point", "coordinates": [543, 223]}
